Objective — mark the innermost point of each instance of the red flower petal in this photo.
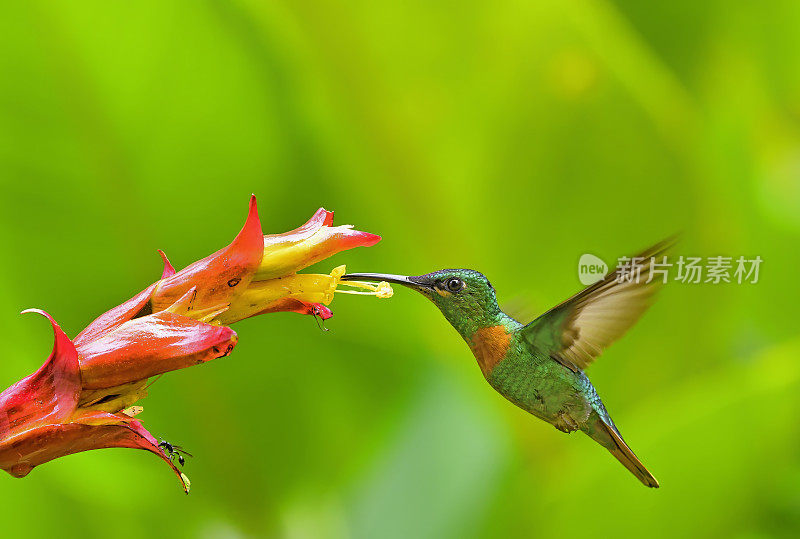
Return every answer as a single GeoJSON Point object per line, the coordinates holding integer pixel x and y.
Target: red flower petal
{"type": "Point", "coordinates": [220, 276]}
{"type": "Point", "coordinates": [344, 239]}
{"type": "Point", "coordinates": [94, 430]}
{"type": "Point", "coordinates": [48, 395]}
{"type": "Point", "coordinates": [316, 240]}
{"type": "Point", "coordinates": [169, 271]}
{"type": "Point", "coordinates": [292, 305]}
{"type": "Point", "coordinates": [149, 346]}
{"type": "Point", "coordinates": [320, 310]}
{"type": "Point", "coordinates": [321, 217]}
{"type": "Point", "coordinates": [115, 317]}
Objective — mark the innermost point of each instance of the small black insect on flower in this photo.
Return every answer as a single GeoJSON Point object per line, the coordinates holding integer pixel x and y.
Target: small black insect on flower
{"type": "Point", "coordinates": [173, 451]}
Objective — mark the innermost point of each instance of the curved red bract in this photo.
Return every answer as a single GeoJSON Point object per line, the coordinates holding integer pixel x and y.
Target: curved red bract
{"type": "Point", "coordinates": [49, 394]}
{"type": "Point", "coordinates": [220, 276]}
{"type": "Point", "coordinates": [150, 346]}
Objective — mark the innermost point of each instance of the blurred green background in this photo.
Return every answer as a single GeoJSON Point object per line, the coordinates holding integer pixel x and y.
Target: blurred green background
{"type": "Point", "coordinates": [506, 136]}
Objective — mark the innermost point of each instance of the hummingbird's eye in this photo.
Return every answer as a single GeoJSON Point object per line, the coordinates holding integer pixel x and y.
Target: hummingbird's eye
{"type": "Point", "coordinates": [454, 284]}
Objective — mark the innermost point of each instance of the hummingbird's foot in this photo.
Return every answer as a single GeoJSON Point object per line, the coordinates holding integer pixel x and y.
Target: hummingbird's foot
{"type": "Point", "coordinates": [565, 423]}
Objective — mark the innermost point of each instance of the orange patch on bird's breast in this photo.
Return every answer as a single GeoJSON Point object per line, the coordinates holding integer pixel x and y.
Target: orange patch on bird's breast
{"type": "Point", "coordinates": [489, 345]}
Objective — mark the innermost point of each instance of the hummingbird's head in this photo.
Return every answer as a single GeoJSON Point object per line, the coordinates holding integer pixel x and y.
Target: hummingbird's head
{"type": "Point", "coordinates": [465, 297]}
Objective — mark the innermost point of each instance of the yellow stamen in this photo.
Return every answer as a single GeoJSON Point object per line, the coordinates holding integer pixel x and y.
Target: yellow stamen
{"type": "Point", "coordinates": [382, 290]}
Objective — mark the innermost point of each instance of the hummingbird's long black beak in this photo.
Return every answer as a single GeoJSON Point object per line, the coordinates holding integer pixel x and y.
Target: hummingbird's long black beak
{"type": "Point", "coordinates": [404, 280]}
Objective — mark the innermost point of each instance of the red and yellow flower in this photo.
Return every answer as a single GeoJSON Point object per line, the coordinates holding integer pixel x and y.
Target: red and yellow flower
{"type": "Point", "coordinates": [82, 397]}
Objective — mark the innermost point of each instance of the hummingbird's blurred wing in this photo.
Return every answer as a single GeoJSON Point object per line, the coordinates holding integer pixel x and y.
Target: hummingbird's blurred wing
{"type": "Point", "coordinates": [577, 331]}
{"type": "Point", "coordinates": [520, 308]}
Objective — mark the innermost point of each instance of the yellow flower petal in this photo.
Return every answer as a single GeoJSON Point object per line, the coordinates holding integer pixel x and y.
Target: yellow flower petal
{"type": "Point", "coordinates": [266, 296]}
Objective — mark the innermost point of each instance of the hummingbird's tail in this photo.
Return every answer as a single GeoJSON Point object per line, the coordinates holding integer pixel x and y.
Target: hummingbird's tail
{"type": "Point", "coordinates": [608, 436]}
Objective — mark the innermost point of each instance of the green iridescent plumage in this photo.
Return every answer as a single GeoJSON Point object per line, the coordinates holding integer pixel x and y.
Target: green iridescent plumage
{"type": "Point", "coordinates": [539, 366]}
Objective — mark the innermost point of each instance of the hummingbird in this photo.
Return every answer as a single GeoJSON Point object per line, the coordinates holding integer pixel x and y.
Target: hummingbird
{"type": "Point", "coordinates": [539, 366]}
